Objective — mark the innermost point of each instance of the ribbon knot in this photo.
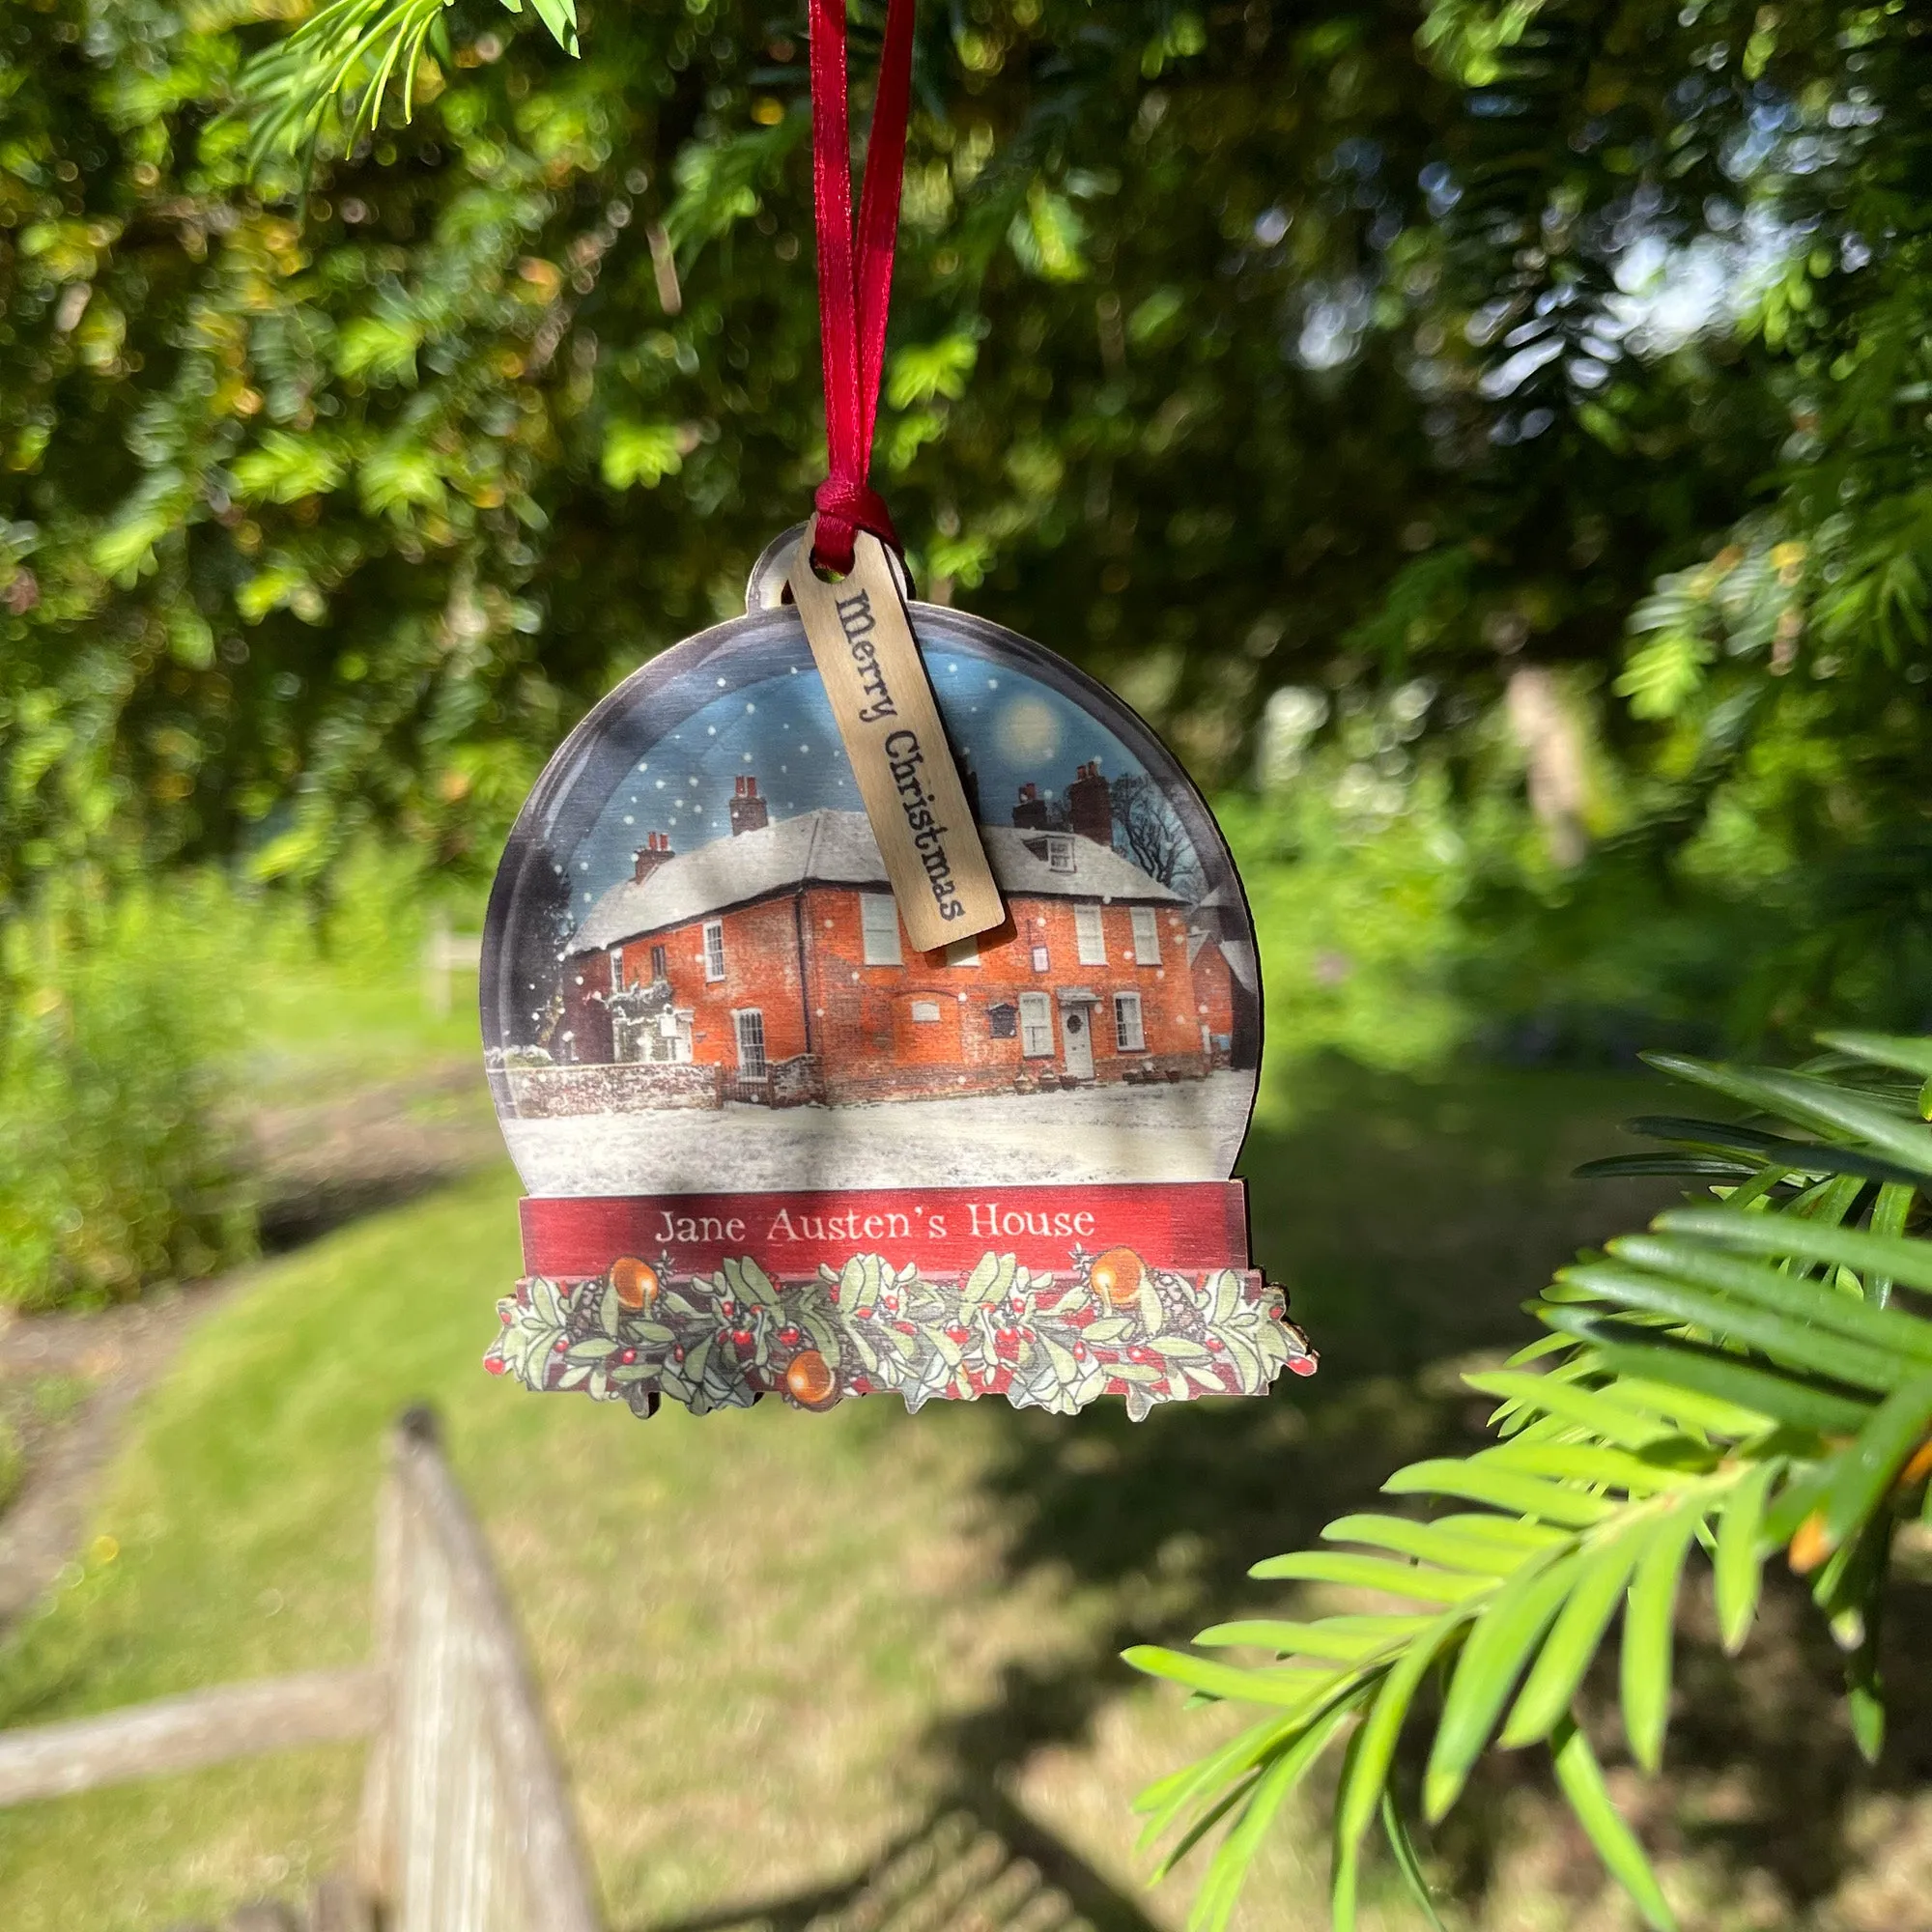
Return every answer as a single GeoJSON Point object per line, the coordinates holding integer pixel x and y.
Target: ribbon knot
{"type": "Point", "coordinates": [855, 282]}
{"type": "Point", "coordinates": [844, 508]}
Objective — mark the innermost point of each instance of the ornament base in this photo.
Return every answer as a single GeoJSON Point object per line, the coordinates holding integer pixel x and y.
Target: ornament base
{"type": "Point", "coordinates": [1048, 1296]}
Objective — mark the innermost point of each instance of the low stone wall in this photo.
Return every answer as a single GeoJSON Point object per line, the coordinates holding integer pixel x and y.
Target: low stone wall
{"type": "Point", "coordinates": [797, 1082]}
{"type": "Point", "coordinates": [643, 1087]}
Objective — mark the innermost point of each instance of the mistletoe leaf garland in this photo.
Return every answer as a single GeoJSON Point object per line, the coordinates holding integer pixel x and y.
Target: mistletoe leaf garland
{"type": "Point", "coordinates": [990, 1281]}
{"type": "Point", "coordinates": [1044, 1341]}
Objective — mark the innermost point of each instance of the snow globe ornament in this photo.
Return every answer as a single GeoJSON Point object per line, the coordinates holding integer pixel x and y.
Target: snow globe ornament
{"type": "Point", "coordinates": [772, 1147]}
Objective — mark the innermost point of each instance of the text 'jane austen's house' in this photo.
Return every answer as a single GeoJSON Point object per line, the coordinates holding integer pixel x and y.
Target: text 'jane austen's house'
{"type": "Point", "coordinates": [771, 966]}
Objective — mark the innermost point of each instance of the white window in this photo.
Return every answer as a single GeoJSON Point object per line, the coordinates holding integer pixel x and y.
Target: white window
{"type": "Point", "coordinates": [879, 917]}
{"type": "Point", "coordinates": [751, 1026]}
{"type": "Point", "coordinates": [963, 953]}
{"type": "Point", "coordinates": [1146, 937]}
{"type": "Point", "coordinates": [1127, 1030]}
{"type": "Point", "coordinates": [616, 969]}
{"type": "Point", "coordinates": [1039, 959]}
{"type": "Point", "coordinates": [1089, 935]}
{"type": "Point", "coordinates": [1060, 855]}
{"type": "Point", "coordinates": [1035, 1026]}
{"type": "Point", "coordinates": [670, 1039]}
{"type": "Point", "coordinates": [713, 950]}
{"type": "Point", "coordinates": [926, 1012]}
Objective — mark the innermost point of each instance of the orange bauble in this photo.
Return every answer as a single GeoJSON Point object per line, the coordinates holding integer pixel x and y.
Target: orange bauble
{"type": "Point", "coordinates": [636, 1283]}
{"type": "Point", "coordinates": [1117, 1276]}
{"type": "Point", "coordinates": [810, 1380]}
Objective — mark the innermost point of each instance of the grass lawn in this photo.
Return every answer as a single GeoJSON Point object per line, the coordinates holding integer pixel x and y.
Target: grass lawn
{"type": "Point", "coordinates": [773, 1643]}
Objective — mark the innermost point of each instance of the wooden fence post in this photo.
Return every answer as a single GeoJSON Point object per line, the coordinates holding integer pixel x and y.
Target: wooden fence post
{"type": "Point", "coordinates": [376, 1828]}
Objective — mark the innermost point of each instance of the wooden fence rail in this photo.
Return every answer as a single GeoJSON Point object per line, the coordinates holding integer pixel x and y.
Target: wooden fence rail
{"type": "Point", "coordinates": [187, 1733]}
{"type": "Point", "coordinates": [466, 1821]}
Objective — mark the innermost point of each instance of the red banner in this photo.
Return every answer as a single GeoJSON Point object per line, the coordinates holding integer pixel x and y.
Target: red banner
{"type": "Point", "coordinates": [1190, 1226]}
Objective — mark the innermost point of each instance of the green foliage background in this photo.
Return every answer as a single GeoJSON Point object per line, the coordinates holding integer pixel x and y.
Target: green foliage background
{"type": "Point", "coordinates": [1233, 350]}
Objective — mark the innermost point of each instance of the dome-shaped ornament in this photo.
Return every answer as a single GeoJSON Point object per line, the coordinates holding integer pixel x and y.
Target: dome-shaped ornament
{"type": "Point", "coordinates": [770, 1148]}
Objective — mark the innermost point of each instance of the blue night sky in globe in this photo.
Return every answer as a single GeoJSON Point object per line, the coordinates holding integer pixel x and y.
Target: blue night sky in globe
{"type": "Point", "coordinates": [780, 731]}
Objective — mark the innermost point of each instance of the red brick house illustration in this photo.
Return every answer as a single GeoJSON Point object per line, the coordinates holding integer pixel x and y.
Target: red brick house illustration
{"type": "Point", "coordinates": [771, 966]}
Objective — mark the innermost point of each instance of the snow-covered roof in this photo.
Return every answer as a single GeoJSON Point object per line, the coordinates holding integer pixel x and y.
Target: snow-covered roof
{"type": "Point", "coordinates": [827, 847]}
{"type": "Point", "coordinates": [1239, 954]}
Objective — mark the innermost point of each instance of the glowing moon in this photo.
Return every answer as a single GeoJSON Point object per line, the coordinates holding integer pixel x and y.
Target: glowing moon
{"type": "Point", "coordinates": [1028, 730]}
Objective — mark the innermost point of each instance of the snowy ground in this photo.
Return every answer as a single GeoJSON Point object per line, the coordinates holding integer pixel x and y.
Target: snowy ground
{"type": "Point", "coordinates": [1188, 1132]}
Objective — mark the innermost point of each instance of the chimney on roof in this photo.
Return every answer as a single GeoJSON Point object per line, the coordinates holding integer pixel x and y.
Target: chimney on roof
{"type": "Point", "coordinates": [749, 811]}
{"type": "Point", "coordinates": [652, 854]}
{"type": "Point", "coordinates": [1030, 812]}
{"type": "Point", "coordinates": [1090, 805]}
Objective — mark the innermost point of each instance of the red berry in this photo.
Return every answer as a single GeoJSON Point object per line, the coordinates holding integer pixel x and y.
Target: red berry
{"type": "Point", "coordinates": [861, 1387]}
{"type": "Point", "coordinates": [496, 1364]}
{"type": "Point", "coordinates": [787, 1335]}
{"type": "Point", "coordinates": [728, 1308]}
{"type": "Point", "coordinates": [831, 1294]}
{"type": "Point", "coordinates": [1216, 1345]}
{"type": "Point", "coordinates": [504, 1316]}
{"type": "Point", "coordinates": [559, 1344]}
{"type": "Point", "coordinates": [955, 1333]}
{"type": "Point", "coordinates": [741, 1338]}
{"type": "Point", "coordinates": [1301, 1365]}
{"type": "Point", "coordinates": [864, 1314]}
{"type": "Point", "coordinates": [677, 1354]}
{"type": "Point", "coordinates": [1080, 1351]}
{"type": "Point", "coordinates": [629, 1356]}
{"type": "Point", "coordinates": [907, 1328]}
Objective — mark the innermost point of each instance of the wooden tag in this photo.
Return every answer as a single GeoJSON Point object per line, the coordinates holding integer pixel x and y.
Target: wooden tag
{"type": "Point", "coordinates": [862, 640]}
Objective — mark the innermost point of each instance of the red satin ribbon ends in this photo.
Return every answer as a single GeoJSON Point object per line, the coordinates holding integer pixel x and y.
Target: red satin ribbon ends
{"type": "Point", "coordinates": [855, 276]}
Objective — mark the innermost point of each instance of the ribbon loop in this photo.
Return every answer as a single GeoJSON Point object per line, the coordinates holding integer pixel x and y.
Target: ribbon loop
{"type": "Point", "coordinates": [855, 277]}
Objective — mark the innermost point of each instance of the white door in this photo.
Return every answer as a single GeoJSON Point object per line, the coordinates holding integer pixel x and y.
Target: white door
{"type": "Point", "coordinates": [1077, 1029]}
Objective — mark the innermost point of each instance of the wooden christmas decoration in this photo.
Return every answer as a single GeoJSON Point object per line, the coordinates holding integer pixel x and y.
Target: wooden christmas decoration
{"type": "Point", "coordinates": [772, 1147]}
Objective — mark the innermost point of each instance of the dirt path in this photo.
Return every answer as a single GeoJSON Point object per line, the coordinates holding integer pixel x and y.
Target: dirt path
{"type": "Point", "coordinates": [119, 1353]}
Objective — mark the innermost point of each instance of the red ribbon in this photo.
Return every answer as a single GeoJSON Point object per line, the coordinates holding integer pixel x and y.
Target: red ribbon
{"type": "Point", "coordinates": [855, 285]}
